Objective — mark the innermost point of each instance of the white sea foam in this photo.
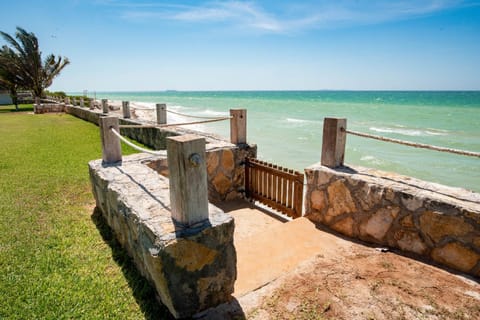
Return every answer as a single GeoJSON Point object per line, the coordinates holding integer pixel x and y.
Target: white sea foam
{"type": "Point", "coordinates": [209, 112]}
{"type": "Point", "coordinates": [409, 132]}
{"type": "Point", "coordinates": [293, 120]}
{"type": "Point", "coordinates": [371, 160]}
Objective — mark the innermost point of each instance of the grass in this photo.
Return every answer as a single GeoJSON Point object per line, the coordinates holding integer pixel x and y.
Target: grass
{"type": "Point", "coordinates": [58, 259]}
{"type": "Point", "coordinates": [11, 108]}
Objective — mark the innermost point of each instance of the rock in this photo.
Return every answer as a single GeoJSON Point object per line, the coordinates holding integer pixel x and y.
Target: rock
{"type": "Point", "coordinates": [378, 225]}
{"type": "Point", "coordinates": [476, 242]}
{"type": "Point", "coordinates": [228, 162]}
{"type": "Point", "coordinates": [437, 225]}
{"type": "Point", "coordinates": [344, 226]}
{"type": "Point", "coordinates": [190, 255]}
{"type": "Point", "coordinates": [222, 184]}
{"type": "Point", "coordinates": [411, 202]}
{"type": "Point", "coordinates": [457, 256]}
{"type": "Point", "coordinates": [340, 200]}
{"type": "Point", "coordinates": [410, 241]}
{"type": "Point", "coordinates": [407, 222]}
{"type": "Point", "coordinates": [212, 162]}
{"type": "Point", "coordinates": [368, 195]}
{"type": "Point", "coordinates": [318, 200]}
{"type": "Point", "coordinates": [389, 194]}
{"type": "Point", "coordinates": [323, 178]}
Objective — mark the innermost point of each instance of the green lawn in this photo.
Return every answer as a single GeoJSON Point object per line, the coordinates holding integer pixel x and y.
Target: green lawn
{"type": "Point", "coordinates": [58, 260]}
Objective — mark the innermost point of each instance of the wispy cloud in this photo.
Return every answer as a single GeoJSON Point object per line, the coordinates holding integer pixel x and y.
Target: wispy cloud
{"type": "Point", "coordinates": [286, 18]}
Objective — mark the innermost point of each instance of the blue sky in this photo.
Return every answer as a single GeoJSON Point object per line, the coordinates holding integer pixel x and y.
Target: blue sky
{"type": "Point", "coordinates": [120, 45]}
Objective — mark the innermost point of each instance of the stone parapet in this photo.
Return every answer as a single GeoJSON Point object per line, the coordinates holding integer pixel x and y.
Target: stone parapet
{"type": "Point", "coordinates": [192, 268]}
{"type": "Point", "coordinates": [225, 161]}
{"type": "Point", "coordinates": [84, 113]}
{"type": "Point", "coordinates": [225, 169]}
{"type": "Point", "coordinates": [48, 107]}
{"type": "Point", "coordinates": [431, 220]}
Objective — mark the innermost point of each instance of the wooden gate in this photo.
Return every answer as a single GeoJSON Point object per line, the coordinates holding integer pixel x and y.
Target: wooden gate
{"type": "Point", "coordinates": [274, 186]}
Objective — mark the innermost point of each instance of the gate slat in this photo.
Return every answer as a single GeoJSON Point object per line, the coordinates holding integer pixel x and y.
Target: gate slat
{"type": "Point", "coordinates": [274, 186]}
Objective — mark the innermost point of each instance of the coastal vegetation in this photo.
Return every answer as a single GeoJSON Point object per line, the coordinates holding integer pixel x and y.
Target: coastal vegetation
{"type": "Point", "coordinates": [58, 258]}
{"type": "Point", "coordinates": [22, 65]}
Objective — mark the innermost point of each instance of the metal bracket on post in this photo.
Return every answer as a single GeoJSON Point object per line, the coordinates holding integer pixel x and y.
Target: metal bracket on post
{"type": "Point", "coordinates": [334, 140]}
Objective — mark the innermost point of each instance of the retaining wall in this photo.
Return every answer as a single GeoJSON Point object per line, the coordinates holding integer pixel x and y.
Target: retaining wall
{"type": "Point", "coordinates": [48, 107]}
{"type": "Point", "coordinates": [427, 219]}
{"type": "Point", "coordinates": [191, 268]}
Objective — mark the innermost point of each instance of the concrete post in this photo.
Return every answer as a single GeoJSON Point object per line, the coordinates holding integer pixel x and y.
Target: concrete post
{"type": "Point", "coordinates": [334, 139]}
{"type": "Point", "coordinates": [126, 109]}
{"type": "Point", "coordinates": [74, 101]}
{"type": "Point", "coordinates": [67, 100]}
{"type": "Point", "coordinates": [238, 126]}
{"type": "Point", "coordinates": [188, 179]}
{"type": "Point", "coordinates": [92, 104]}
{"type": "Point", "coordinates": [105, 105]}
{"type": "Point", "coordinates": [161, 113]}
{"type": "Point", "coordinates": [82, 102]}
{"type": "Point", "coordinates": [111, 148]}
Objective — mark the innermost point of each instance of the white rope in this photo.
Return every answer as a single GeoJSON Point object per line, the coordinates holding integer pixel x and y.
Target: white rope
{"type": "Point", "coordinates": [140, 108]}
{"type": "Point", "coordinates": [134, 146]}
{"type": "Point", "coordinates": [414, 144]}
{"type": "Point", "coordinates": [197, 117]}
{"type": "Point", "coordinates": [173, 124]}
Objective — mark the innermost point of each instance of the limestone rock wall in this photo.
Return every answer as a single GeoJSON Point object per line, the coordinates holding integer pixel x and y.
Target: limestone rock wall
{"type": "Point", "coordinates": [48, 107]}
{"type": "Point", "coordinates": [225, 169]}
{"type": "Point", "coordinates": [192, 269]}
{"type": "Point", "coordinates": [426, 219]}
{"type": "Point", "coordinates": [84, 113]}
{"type": "Point", "coordinates": [225, 161]}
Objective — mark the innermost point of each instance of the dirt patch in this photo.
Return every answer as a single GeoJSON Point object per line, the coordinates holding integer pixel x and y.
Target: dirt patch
{"type": "Point", "coordinates": [367, 283]}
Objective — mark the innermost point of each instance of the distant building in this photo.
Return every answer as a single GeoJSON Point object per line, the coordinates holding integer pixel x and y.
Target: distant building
{"type": "Point", "coordinates": [5, 98]}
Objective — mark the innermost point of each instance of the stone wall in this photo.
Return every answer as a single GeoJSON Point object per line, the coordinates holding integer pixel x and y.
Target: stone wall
{"type": "Point", "coordinates": [48, 107]}
{"type": "Point", "coordinates": [84, 113]}
{"type": "Point", "coordinates": [225, 169]}
{"type": "Point", "coordinates": [426, 219]}
{"type": "Point", "coordinates": [192, 269]}
{"type": "Point", "coordinates": [225, 161]}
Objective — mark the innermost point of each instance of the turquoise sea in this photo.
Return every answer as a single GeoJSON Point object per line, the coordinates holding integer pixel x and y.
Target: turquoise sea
{"type": "Point", "coordinates": [287, 126]}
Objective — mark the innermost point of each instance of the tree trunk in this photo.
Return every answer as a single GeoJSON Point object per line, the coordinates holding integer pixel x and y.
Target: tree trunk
{"type": "Point", "coordinates": [14, 96]}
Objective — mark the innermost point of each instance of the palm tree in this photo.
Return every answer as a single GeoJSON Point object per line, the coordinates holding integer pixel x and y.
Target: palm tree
{"type": "Point", "coordinates": [24, 58]}
{"type": "Point", "coordinates": [10, 76]}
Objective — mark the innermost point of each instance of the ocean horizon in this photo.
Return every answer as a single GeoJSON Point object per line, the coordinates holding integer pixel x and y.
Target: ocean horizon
{"type": "Point", "coordinates": [287, 125]}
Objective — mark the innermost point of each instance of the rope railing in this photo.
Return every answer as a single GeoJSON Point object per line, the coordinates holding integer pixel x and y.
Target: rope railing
{"type": "Point", "coordinates": [414, 144]}
{"type": "Point", "coordinates": [134, 146]}
{"type": "Point", "coordinates": [173, 124]}
{"type": "Point", "coordinates": [141, 108]}
{"type": "Point", "coordinates": [195, 117]}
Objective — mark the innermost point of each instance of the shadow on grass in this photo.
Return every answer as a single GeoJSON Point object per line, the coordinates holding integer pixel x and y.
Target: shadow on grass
{"type": "Point", "coordinates": [143, 292]}
{"type": "Point", "coordinates": [21, 108]}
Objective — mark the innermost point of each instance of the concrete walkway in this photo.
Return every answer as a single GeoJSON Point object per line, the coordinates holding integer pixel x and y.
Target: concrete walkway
{"type": "Point", "coordinates": [264, 257]}
{"type": "Point", "coordinates": [291, 262]}
{"type": "Point", "coordinates": [268, 248]}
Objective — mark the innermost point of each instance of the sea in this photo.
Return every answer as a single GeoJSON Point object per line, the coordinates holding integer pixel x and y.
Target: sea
{"type": "Point", "coordinates": [287, 126]}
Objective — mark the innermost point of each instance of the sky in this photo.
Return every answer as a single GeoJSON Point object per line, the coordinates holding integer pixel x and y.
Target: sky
{"type": "Point", "coordinates": [147, 45]}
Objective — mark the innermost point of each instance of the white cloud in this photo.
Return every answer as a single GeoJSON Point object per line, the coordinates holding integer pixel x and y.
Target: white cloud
{"type": "Point", "coordinates": [293, 17]}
